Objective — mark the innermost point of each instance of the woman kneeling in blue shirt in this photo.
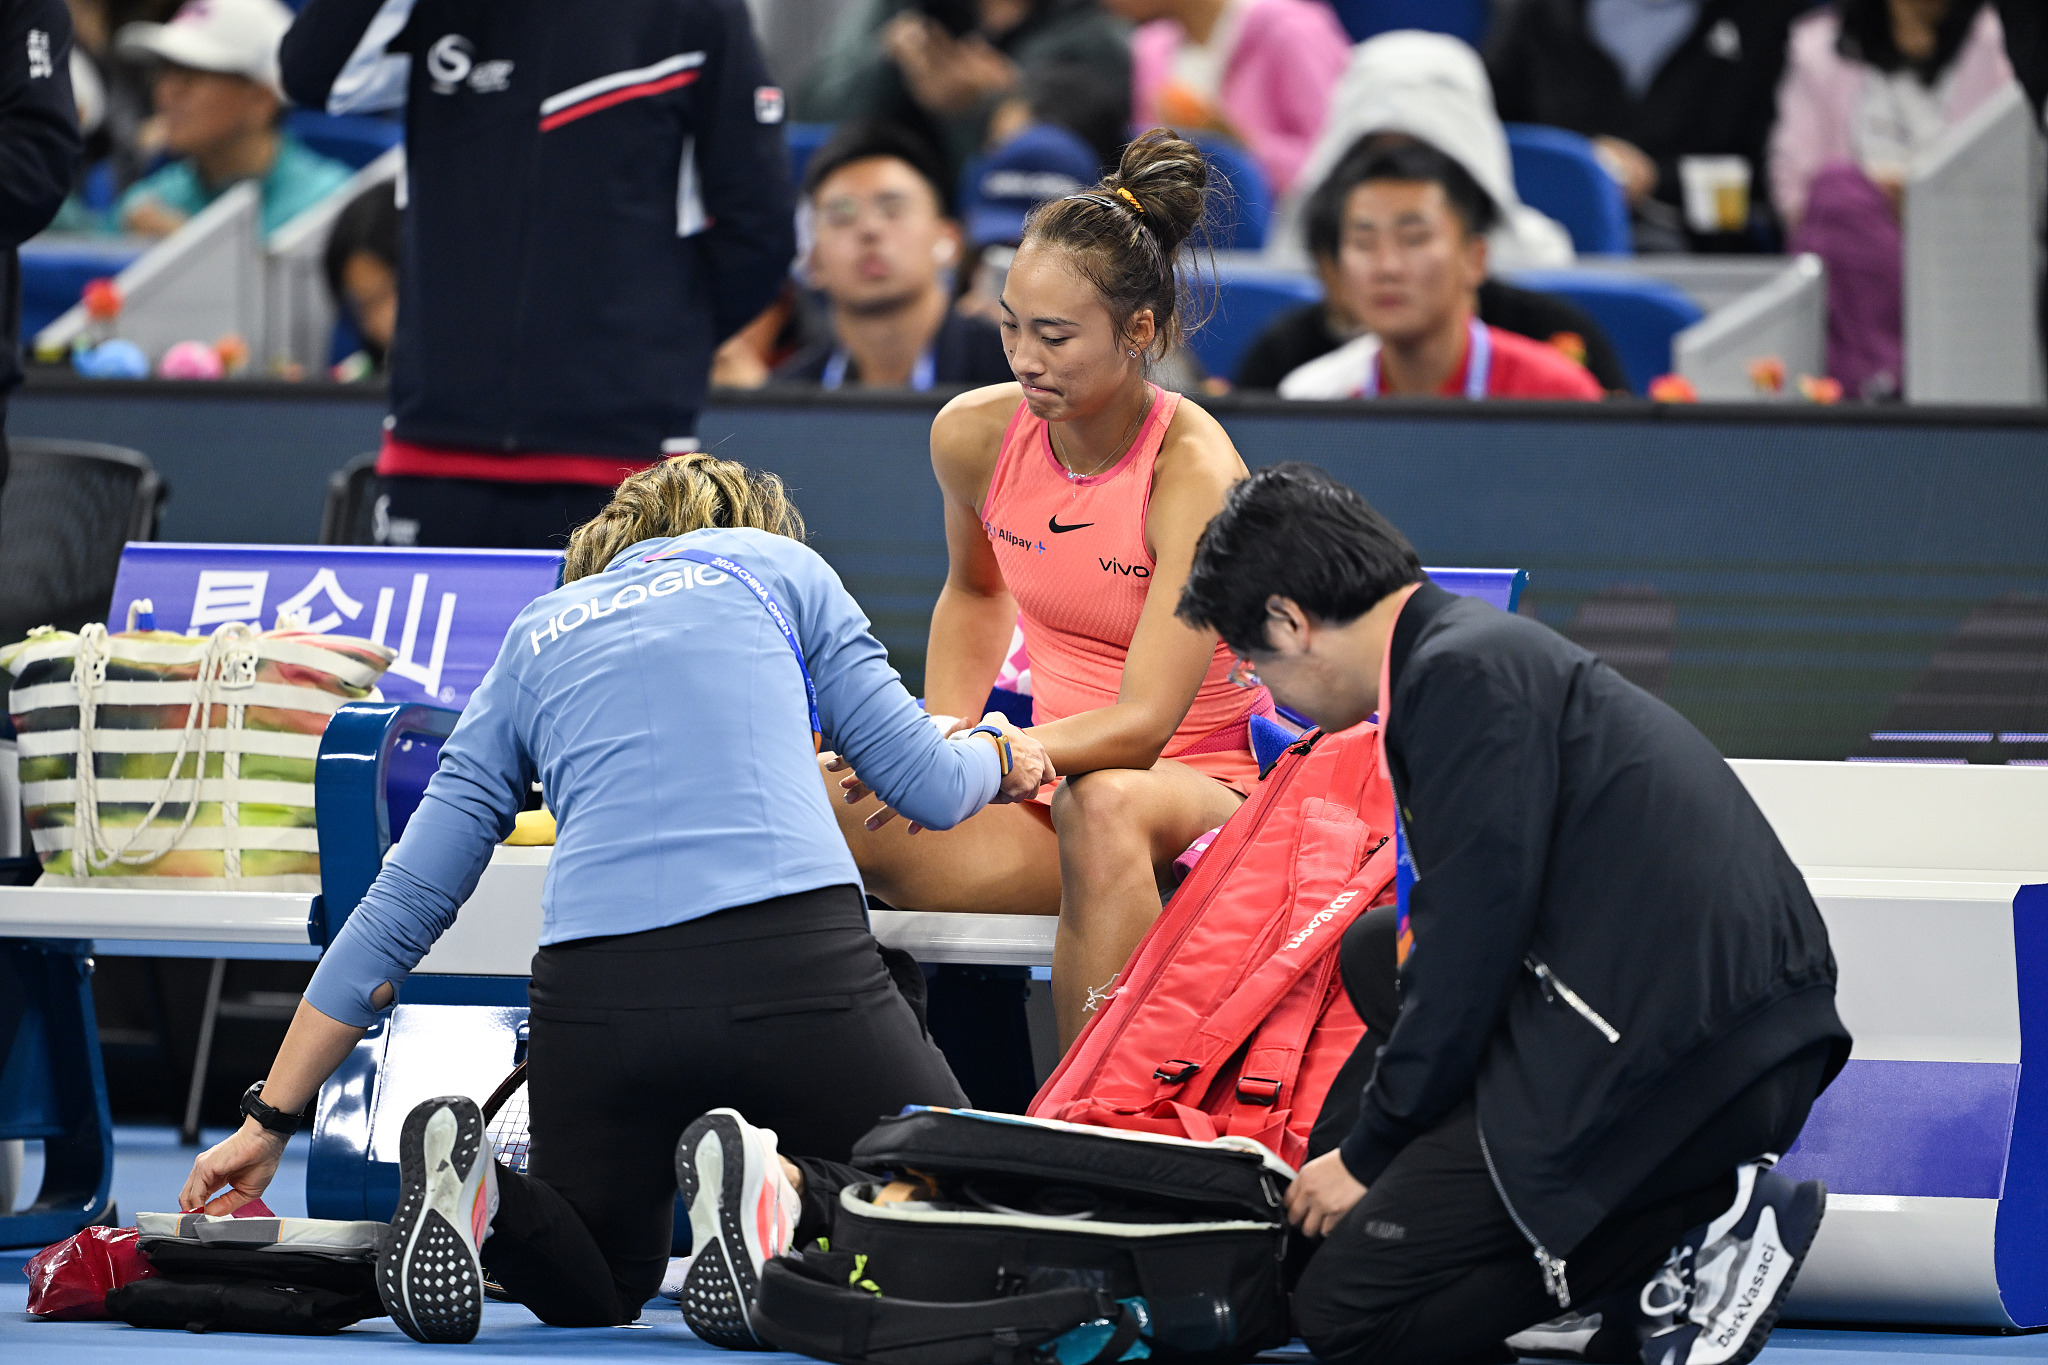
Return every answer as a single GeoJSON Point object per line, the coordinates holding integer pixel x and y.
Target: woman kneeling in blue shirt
{"type": "Point", "coordinates": [704, 941]}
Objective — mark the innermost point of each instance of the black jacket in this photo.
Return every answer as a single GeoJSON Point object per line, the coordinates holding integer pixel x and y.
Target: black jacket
{"type": "Point", "coordinates": [596, 197]}
{"type": "Point", "coordinates": [1574, 837]}
{"type": "Point", "coordinates": [38, 148]}
{"type": "Point", "coordinates": [1716, 94]}
{"type": "Point", "coordinates": [2026, 44]}
{"type": "Point", "coordinates": [1297, 337]}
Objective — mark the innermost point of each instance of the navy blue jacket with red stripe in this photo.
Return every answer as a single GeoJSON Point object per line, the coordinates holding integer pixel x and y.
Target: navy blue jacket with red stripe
{"type": "Point", "coordinates": [595, 196]}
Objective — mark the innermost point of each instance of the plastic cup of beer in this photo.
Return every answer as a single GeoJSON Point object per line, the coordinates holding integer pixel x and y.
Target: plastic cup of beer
{"type": "Point", "coordinates": [1716, 192]}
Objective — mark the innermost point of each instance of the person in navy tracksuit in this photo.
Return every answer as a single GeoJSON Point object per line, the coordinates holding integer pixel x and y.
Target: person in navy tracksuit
{"type": "Point", "coordinates": [595, 196]}
{"type": "Point", "coordinates": [38, 153]}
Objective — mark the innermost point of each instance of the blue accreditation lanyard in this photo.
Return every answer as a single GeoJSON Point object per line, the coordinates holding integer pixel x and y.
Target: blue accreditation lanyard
{"type": "Point", "coordinates": [1478, 364]}
{"type": "Point", "coordinates": [922, 375]}
{"type": "Point", "coordinates": [1404, 882]}
{"type": "Point", "coordinates": [775, 614]}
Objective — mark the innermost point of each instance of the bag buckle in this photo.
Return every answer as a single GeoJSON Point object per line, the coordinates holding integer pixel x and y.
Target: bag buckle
{"type": "Point", "coordinates": [1176, 1071]}
{"type": "Point", "coordinates": [1258, 1090]}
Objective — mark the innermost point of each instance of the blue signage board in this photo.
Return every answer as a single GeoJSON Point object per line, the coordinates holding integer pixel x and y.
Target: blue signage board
{"type": "Point", "coordinates": [445, 612]}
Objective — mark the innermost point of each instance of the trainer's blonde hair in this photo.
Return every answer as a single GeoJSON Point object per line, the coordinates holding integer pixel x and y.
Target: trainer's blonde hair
{"type": "Point", "coordinates": [681, 494]}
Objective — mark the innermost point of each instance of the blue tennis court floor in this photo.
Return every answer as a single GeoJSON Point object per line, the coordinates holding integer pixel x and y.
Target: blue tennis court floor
{"type": "Point", "coordinates": [150, 1167]}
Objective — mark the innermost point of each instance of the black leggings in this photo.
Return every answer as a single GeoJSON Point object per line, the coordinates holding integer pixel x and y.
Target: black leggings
{"type": "Point", "coordinates": [781, 1010]}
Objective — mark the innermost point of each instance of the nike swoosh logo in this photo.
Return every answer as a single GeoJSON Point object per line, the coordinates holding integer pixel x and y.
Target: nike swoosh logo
{"type": "Point", "coordinates": [1052, 523]}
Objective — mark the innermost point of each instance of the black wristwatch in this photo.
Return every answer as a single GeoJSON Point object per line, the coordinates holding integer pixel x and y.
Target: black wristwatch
{"type": "Point", "coordinates": [276, 1120]}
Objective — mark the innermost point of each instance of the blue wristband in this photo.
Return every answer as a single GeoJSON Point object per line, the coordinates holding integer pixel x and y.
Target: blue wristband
{"type": "Point", "coordinates": [1003, 755]}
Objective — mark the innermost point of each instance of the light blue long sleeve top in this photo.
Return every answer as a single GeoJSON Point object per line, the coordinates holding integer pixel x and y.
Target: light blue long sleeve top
{"type": "Point", "coordinates": [665, 717]}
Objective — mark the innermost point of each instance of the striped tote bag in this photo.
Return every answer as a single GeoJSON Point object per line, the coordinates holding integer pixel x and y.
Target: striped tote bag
{"type": "Point", "coordinates": [149, 758]}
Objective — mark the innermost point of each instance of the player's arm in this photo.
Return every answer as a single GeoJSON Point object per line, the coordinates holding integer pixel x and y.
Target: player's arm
{"type": "Point", "coordinates": [747, 234]}
{"type": "Point", "coordinates": [336, 56]}
{"type": "Point", "coordinates": [975, 614]}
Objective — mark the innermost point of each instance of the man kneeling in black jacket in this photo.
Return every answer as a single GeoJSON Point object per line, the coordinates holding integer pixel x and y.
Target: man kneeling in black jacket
{"type": "Point", "coordinates": [1615, 996]}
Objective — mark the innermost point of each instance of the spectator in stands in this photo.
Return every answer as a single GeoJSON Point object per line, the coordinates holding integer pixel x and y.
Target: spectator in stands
{"type": "Point", "coordinates": [1301, 335]}
{"type": "Point", "coordinates": [1040, 163]}
{"type": "Point", "coordinates": [362, 274]}
{"type": "Point", "coordinates": [1869, 86]}
{"type": "Point", "coordinates": [1410, 259]}
{"type": "Point", "coordinates": [38, 155]}
{"type": "Point", "coordinates": [882, 252]}
{"type": "Point", "coordinates": [1070, 95]}
{"type": "Point", "coordinates": [115, 92]}
{"type": "Point", "coordinates": [1653, 83]}
{"type": "Point", "coordinates": [218, 103]}
{"type": "Point", "coordinates": [1431, 87]}
{"type": "Point", "coordinates": [566, 272]}
{"type": "Point", "coordinates": [1259, 72]}
{"type": "Point", "coordinates": [942, 68]}
{"type": "Point", "coordinates": [2026, 44]}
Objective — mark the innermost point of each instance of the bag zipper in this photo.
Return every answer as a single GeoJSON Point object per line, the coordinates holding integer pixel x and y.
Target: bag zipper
{"type": "Point", "coordinates": [1554, 990]}
{"type": "Point", "coordinates": [1552, 1266]}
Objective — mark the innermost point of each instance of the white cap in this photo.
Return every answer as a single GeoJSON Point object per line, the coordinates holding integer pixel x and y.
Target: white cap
{"type": "Point", "coordinates": [234, 37]}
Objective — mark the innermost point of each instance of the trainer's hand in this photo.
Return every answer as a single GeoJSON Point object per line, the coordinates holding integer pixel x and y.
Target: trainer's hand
{"type": "Point", "coordinates": [1030, 765]}
{"type": "Point", "coordinates": [245, 1164]}
{"type": "Point", "coordinates": [1322, 1193]}
{"type": "Point", "coordinates": [853, 791]}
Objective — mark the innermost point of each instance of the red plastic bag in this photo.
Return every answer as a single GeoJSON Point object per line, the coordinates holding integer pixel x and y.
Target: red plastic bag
{"type": "Point", "coordinates": [68, 1281]}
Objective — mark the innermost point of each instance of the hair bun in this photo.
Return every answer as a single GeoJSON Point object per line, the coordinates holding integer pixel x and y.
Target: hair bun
{"type": "Point", "coordinates": [1169, 178]}
{"type": "Point", "coordinates": [1127, 235]}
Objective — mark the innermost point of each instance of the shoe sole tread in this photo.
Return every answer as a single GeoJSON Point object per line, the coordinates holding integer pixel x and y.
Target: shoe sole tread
{"type": "Point", "coordinates": [431, 1282]}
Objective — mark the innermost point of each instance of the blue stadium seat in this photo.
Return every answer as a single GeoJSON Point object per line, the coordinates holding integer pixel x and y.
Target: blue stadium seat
{"type": "Point", "coordinates": [803, 139]}
{"type": "Point", "coordinates": [1641, 315]}
{"type": "Point", "coordinates": [1244, 305]}
{"type": "Point", "coordinates": [353, 139]}
{"type": "Point", "coordinates": [1238, 220]}
{"type": "Point", "coordinates": [1556, 173]}
{"type": "Point", "coordinates": [1464, 19]}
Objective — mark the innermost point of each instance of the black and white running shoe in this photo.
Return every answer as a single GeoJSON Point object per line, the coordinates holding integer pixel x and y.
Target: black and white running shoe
{"type": "Point", "coordinates": [743, 1210]}
{"type": "Point", "coordinates": [430, 1278]}
{"type": "Point", "coordinates": [1718, 1294]}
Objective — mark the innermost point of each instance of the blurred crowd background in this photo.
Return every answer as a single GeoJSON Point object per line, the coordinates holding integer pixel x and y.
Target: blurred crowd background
{"type": "Point", "coordinates": [1629, 165]}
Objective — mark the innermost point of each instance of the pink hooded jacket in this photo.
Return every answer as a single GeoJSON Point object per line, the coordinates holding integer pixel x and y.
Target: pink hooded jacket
{"type": "Point", "coordinates": [1818, 98]}
{"type": "Point", "coordinates": [1276, 81]}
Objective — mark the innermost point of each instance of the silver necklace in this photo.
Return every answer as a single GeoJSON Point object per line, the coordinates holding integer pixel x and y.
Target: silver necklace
{"type": "Point", "coordinates": [1115, 455]}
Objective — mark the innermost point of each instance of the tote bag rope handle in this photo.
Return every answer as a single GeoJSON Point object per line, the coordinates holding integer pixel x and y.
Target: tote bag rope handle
{"type": "Point", "coordinates": [228, 662]}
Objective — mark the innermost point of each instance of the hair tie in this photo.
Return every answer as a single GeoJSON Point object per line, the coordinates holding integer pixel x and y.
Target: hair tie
{"type": "Point", "coordinates": [1132, 200]}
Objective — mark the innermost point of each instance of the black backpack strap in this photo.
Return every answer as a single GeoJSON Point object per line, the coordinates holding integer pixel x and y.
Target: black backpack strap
{"type": "Point", "coordinates": [1121, 1340]}
{"type": "Point", "coordinates": [808, 1309]}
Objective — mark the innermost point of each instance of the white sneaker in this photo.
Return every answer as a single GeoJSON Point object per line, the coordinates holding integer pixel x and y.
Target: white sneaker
{"type": "Point", "coordinates": [430, 1277]}
{"type": "Point", "coordinates": [743, 1210]}
{"type": "Point", "coordinates": [1718, 1294]}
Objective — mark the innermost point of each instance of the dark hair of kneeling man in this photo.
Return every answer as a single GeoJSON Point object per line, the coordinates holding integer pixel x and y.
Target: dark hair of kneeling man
{"type": "Point", "coordinates": [1603, 1004]}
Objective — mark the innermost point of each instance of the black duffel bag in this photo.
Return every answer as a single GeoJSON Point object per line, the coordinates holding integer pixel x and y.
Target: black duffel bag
{"type": "Point", "coordinates": [223, 1289]}
{"type": "Point", "coordinates": [1033, 1242]}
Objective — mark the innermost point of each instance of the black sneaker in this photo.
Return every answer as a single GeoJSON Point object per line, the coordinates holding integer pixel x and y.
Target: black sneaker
{"type": "Point", "coordinates": [430, 1278]}
{"type": "Point", "coordinates": [1718, 1295]}
{"type": "Point", "coordinates": [743, 1210]}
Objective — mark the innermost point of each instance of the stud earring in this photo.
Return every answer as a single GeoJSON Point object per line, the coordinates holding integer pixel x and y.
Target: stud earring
{"type": "Point", "coordinates": [1132, 354]}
